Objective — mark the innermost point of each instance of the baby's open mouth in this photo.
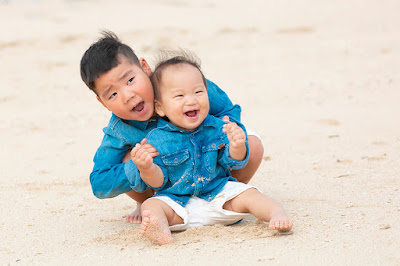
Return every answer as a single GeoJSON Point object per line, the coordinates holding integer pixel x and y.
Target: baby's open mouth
{"type": "Point", "coordinates": [139, 107]}
{"type": "Point", "coordinates": [192, 113]}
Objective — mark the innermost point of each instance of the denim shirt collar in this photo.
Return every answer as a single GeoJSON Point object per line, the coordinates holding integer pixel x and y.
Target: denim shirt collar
{"type": "Point", "coordinates": [209, 121]}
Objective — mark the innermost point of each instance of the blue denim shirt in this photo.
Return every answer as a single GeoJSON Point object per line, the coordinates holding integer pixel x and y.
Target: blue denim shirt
{"type": "Point", "coordinates": [194, 163]}
{"type": "Point", "coordinates": [110, 177]}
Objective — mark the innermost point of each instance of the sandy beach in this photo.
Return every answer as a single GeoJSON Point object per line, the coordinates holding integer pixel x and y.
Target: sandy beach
{"type": "Point", "coordinates": [318, 80]}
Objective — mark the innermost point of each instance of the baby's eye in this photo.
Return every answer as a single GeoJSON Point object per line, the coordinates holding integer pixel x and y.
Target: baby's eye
{"type": "Point", "coordinates": [199, 91]}
{"type": "Point", "coordinates": [130, 81]}
{"type": "Point", "coordinates": [112, 95]}
{"type": "Point", "coordinates": [178, 96]}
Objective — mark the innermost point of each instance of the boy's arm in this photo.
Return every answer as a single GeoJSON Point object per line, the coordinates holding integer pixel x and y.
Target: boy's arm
{"type": "Point", "coordinates": [221, 105]}
{"type": "Point", "coordinates": [110, 177]}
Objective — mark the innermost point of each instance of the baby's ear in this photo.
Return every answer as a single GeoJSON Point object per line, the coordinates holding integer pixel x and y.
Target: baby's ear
{"type": "Point", "coordinates": [158, 107]}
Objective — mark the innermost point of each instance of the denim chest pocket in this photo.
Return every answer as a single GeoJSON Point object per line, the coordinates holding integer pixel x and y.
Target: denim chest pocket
{"type": "Point", "coordinates": [176, 164]}
{"type": "Point", "coordinates": [210, 154]}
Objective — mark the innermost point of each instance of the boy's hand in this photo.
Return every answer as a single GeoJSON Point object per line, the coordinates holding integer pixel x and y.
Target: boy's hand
{"type": "Point", "coordinates": [141, 157]}
{"type": "Point", "coordinates": [225, 119]}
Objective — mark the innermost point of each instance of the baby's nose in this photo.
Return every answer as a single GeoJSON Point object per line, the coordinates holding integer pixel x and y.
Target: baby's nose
{"type": "Point", "coordinates": [191, 100]}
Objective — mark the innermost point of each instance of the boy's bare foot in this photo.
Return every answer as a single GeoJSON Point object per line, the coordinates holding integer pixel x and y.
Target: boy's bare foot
{"type": "Point", "coordinates": [280, 222]}
{"type": "Point", "coordinates": [154, 230]}
{"type": "Point", "coordinates": [135, 217]}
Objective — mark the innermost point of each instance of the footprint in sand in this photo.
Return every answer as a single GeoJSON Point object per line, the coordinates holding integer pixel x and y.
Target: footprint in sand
{"type": "Point", "coordinates": [70, 38]}
{"type": "Point", "coordinates": [375, 158]}
{"type": "Point", "coordinates": [379, 143]}
{"type": "Point", "coordinates": [11, 44]}
{"type": "Point", "coordinates": [238, 30]}
{"type": "Point", "coordinates": [299, 29]}
{"type": "Point", "coordinates": [329, 122]}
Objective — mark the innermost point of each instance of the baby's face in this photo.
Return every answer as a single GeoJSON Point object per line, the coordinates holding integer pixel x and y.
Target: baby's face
{"type": "Point", "coordinates": [126, 91]}
{"type": "Point", "coordinates": [184, 98]}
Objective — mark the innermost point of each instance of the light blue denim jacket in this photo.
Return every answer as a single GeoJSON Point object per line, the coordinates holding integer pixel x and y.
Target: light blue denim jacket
{"type": "Point", "coordinates": [110, 177]}
{"type": "Point", "coordinates": [194, 163]}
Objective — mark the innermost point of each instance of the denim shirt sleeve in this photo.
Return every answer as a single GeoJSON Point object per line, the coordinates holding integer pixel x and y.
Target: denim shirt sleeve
{"type": "Point", "coordinates": [221, 105]}
{"type": "Point", "coordinates": [226, 161]}
{"type": "Point", "coordinates": [110, 177]}
{"type": "Point", "coordinates": [157, 160]}
{"type": "Point", "coordinates": [133, 175]}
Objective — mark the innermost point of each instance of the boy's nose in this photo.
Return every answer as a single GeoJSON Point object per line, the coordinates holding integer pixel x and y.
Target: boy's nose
{"type": "Point", "coordinates": [128, 95]}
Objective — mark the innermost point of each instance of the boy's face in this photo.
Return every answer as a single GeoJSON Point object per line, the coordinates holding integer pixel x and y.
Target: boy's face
{"type": "Point", "coordinates": [184, 98]}
{"type": "Point", "coordinates": [126, 90]}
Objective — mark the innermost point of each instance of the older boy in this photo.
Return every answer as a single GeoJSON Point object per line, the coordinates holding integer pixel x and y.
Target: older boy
{"type": "Point", "coordinates": [121, 83]}
{"type": "Point", "coordinates": [194, 185]}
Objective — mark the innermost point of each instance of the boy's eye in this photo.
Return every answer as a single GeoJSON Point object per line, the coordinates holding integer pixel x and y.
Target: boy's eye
{"type": "Point", "coordinates": [178, 96]}
{"type": "Point", "coordinates": [112, 95]}
{"type": "Point", "coordinates": [130, 81]}
{"type": "Point", "coordinates": [199, 91]}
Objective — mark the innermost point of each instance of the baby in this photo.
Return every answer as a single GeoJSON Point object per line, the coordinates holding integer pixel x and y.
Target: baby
{"type": "Point", "coordinates": [197, 150]}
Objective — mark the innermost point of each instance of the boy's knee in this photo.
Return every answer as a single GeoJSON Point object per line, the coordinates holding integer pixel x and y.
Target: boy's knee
{"type": "Point", "coordinates": [256, 148]}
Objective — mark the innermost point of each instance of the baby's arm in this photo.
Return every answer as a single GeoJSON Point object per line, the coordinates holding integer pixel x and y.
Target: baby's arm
{"type": "Point", "coordinates": [149, 171]}
{"type": "Point", "coordinates": [237, 141]}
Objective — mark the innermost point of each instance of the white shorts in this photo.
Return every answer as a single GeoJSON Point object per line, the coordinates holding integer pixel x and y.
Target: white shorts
{"type": "Point", "coordinates": [199, 212]}
{"type": "Point", "coordinates": [252, 133]}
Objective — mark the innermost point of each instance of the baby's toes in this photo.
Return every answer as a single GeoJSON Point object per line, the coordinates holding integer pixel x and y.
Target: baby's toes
{"type": "Point", "coordinates": [286, 225]}
{"type": "Point", "coordinates": [145, 218]}
{"type": "Point", "coordinates": [273, 224]}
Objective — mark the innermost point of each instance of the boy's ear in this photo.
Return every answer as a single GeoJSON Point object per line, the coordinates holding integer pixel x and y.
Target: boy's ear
{"type": "Point", "coordinates": [146, 68]}
{"type": "Point", "coordinates": [102, 103]}
{"type": "Point", "coordinates": [158, 107]}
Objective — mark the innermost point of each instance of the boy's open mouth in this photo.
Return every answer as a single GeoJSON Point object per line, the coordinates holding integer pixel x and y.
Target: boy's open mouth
{"type": "Point", "coordinates": [139, 107]}
{"type": "Point", "coordinates": [192, 114]}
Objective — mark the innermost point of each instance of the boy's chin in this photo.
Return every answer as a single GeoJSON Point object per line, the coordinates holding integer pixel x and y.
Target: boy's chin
{"type": "Point", "coordinates": [142, 118]}
{"type": "Point", "coordinates": [135, 118]}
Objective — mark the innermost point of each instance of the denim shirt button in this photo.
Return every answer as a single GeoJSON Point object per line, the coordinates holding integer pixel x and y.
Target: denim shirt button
{"type": "Point", "coordinates": [176, 160]}
{"type": "Point", "coordinates": [214, 145]}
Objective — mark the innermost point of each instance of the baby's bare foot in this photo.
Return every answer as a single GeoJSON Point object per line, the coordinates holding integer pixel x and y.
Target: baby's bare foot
{"type": "Point", "coordinates": [154, 230]}
{"type": "Point", "coordinates": [280, 222]}
{"type": "Point", "coordinates": [135, 217]}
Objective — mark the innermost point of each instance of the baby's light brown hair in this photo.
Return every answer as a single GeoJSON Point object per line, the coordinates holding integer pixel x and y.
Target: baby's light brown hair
{"type": "Point", "coordinates": [172, 58]}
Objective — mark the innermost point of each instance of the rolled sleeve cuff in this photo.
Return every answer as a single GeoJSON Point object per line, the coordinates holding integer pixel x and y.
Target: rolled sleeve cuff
{"type": "Point", "coordinates": [158, 162]}
{"type": "Point", "coordinates": [133, 176]}
{"type": "Point", "coordinates": [234, 164]}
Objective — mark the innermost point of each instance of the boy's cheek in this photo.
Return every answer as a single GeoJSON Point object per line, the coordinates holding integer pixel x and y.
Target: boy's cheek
{"type": "Point", "coordinates": [103, 103]}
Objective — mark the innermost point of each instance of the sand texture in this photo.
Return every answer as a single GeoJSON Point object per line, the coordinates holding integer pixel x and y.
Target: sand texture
{"type": "Point", "coordinates": [318, 80]}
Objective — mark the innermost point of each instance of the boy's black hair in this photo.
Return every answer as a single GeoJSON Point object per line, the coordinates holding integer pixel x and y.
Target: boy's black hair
{"type": "Point", "coordinates": [102, 56]}
{"type": "Point", "coordinates": [170, 58]}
